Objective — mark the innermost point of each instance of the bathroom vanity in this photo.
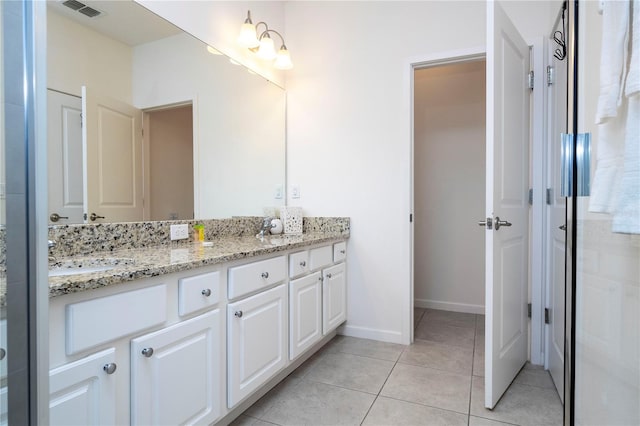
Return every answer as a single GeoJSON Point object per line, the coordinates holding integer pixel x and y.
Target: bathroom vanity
{"type": "Point", "coordinates": [179, 334]}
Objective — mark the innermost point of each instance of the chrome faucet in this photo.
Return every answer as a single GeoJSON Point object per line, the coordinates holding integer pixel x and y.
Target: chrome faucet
{"type": "Point", "coordinates": [51, 244]}
{"type": "Point", "coordinates": [266, 226]}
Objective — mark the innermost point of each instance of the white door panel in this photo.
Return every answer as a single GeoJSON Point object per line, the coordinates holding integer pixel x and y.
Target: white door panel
{"type": "Point", "coordinates": [507, 200]}
{"type": "Point", "coordinates": [64, 146]}
{"type": "Point", "coordinates": [112, 136]}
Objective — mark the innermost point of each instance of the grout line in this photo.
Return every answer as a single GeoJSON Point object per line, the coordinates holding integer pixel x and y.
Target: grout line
{"type": "Point", "coordinates": [382, 387]}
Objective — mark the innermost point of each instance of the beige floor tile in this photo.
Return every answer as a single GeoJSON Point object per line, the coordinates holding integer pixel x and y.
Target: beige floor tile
{"type": "Point", "coordinates": [244, 420]}
{"type": "Point", "coordinates": [417, 316]}
{"type": "Point", "coordinates": [351, 371]}
{"type": "Point", "coordinates": [479, 421]}
{"type": "Point", "coordinates": [535, 375]}
{"type": "Point", "coordinates": [457, 319]}
{"type": "Point", "coordinates": [313, 403]}
{"type": "Point", "coordinates": [281, 390]}
{"type": "Point", "coordinates": [521, 404]}
{"type": "Point", "coordinates": [439, 356]}
{"type": "Point", "coordinates": [366, 347]}
{"type": "Point", "coordinates": [447, 334]}
{"type": "Point", "coordinates": [480, 324]}
{"type": "Point", "coordinates": [387, 411]}
{"type": "Point", "coordinates": [478, 356]}
{"type": "Point", "coordinates": [428, 386]}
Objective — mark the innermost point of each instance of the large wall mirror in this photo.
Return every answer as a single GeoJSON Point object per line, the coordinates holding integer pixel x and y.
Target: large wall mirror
{"type": "Point", "coordinates": [145, 122]}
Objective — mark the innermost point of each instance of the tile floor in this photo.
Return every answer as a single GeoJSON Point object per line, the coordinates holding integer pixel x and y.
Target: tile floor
{"type": "Point", "coordinates": [436, 381]}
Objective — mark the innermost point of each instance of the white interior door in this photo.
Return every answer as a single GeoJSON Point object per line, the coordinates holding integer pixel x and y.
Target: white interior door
{"type": "Point", "coordinates": [112, 138]}
{"type": "Point", "coordinates": [556, 228]}
{"type": "Point", "coordinates": [64, 146]}
{"type": "Point", "coordinates": [508, 98]}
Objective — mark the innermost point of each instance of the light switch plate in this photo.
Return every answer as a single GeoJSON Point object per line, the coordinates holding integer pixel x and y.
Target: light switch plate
{"type": "Point", "coordinates": [295, 191]}
{"type": "Point", "coordinates": [179, 232]}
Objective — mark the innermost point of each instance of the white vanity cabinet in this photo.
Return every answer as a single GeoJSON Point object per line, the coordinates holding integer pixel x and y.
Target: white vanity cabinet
{"type": "Point", "coordinates": [305, 313]}
{"type": "Point", "coordinates": [84, 392]}
{"type": "Point", "coordinates": [257, 341]}
{"type": "Point", "coordinates": [334, 297]}
{"type": "Point", "coordinates": [175, 372]}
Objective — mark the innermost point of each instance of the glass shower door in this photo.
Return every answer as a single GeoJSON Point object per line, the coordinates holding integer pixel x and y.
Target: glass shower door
{"type": "Point", "coordinates": [606, 240]}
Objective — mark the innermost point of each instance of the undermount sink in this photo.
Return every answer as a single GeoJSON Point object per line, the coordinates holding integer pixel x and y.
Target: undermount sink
{"type": "Point", "coordinates": [86, 265]}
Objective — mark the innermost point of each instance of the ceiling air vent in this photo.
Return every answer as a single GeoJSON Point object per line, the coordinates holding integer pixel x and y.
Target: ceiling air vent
{"type": "Point", "coordinates": [82, 8]}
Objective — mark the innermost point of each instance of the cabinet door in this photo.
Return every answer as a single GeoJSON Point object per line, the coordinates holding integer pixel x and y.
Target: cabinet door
{"type": "Point", "coordinates": [334, 297]}
{"type": "Point", "coordinates": [305, 313]}
{"type": "Point", "coordinates": [83, 392]}
{"type": "Point", "coordinates": [257, 339]}
{"type": "Point", "coordinates": [176, 373]}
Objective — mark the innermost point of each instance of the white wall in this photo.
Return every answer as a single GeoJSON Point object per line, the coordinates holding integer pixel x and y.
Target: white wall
{"type": "Point", "coordinates": [78, 56]}
{"type": "Point", "coordinates": [449, 170]}
{"type": "Point", "coordinates": [349, 130]}
{"type": "Point", "coordinates": [217, 23]}
{"type": "Point", "coordinates": [239, 123]}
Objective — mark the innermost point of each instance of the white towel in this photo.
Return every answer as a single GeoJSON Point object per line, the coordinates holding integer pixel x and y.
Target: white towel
{"type": "Point", "coordinates": [626, 216]}
{"type": "Point", "coordinates": [613, 60]}
{"type": "Point", "coordinates": [633, 77]}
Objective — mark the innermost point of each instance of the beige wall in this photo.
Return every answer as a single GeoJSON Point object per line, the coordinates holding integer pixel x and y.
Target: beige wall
{"type": "Point", "coordinates": [78, 56]}
{"type": "Point", "coordinates": [449, 185]}
{"type": "Point", "coordinates": [170, 136]}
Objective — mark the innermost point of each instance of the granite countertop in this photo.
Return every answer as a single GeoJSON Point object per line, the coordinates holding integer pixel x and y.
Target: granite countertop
{"type": "Point", "coordinates": [159, 260]}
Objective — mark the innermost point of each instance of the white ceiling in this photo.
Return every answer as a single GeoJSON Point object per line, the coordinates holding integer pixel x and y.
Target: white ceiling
{"type": "Point", "coordinates": [122, 20]}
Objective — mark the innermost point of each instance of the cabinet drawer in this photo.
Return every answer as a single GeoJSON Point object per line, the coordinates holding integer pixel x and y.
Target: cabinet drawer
{"type": "Point", "coordinates": [339, 252]}
{"type": "Point", "coordinates": [320, 257]}
{"type": "Point", "coordinates": [198, 292]}
{"type": "Point", "coordinates": [248, 278]}
{"type": "Point", "coordinates": [102, 320]}
{"type": "Point", "coordinates": [298, 264]}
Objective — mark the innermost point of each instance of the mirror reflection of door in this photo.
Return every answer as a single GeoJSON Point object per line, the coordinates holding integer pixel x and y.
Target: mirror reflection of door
{"type": "Point", "coordinates": [64, 158]}
{"type": "Point", "coordinates": [112, 134]}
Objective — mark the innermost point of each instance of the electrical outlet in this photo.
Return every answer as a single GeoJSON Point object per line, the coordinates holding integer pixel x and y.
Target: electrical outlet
{"type": "Point", "coordinates": [179, 232]}
{"type": "Point", "coordinates": [295, 191]}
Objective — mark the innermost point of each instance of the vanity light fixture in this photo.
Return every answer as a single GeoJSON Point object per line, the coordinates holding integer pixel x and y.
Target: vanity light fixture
{"type": "Point", "coordinates": [263, 45]}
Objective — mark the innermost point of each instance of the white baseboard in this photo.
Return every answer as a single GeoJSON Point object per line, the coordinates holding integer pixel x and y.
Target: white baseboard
{"type": "Point", "coordinates": [371, 333]}
{"type": "Point", "coordinates": [449, 306]}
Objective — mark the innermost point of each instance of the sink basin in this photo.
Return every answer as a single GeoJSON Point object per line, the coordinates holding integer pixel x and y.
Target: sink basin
{"type": "Point", "coordinates": [86, 265]}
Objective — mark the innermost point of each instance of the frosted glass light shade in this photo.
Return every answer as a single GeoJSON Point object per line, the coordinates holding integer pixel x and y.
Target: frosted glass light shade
{"type": "Point", "coordinates": [247, 37]}
{"type": "Point", "coordinates": [283, 60]}
{"type": "Point", "coordinates": [266, 51]}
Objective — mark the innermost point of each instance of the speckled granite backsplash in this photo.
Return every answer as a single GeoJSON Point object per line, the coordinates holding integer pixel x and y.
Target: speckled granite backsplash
{"type": "Point", "coordinates": [73, 240]}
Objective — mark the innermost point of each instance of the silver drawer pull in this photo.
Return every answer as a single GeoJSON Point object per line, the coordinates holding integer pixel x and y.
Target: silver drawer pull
{"type": "Point", "coordinates": [265, 275]}
{"type": "Point", "coordinates": [303, 263]}
{"type": "Point", "coordinates": [206, 292]}
{"type": "Point", "coordinates": [148, 352]}
{"type": "Point", "coordinates": [328, 275]}
{"type": "Point", "coordinates": [238, 314]}
{"type": "Point", "coordinates": [110, 368]}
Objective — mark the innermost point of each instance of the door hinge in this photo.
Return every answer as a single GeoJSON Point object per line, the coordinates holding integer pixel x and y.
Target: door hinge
{"type": "Point", "coordinates": [531, 79]}
{"type": "Point", "coordinates": [84, 216]}
{"type": "Point", "coordinates": [549, 196]}
{"type": "Point", "coordinates": [81, 120]}
{"type": "Point", "coordinates": [530, 196]}
{"type": "Point", "coordinates": [410, 217]}
{"type": "Point", "coordinates": [547, 314]}
{"type": "Point", "coordinates": [528, 310]}
{"type": "Point", "coordinates": [551, 75]}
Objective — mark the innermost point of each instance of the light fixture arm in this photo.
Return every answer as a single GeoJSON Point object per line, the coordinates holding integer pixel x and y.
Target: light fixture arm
{"type": "Point", "coordinates": [267, 31]}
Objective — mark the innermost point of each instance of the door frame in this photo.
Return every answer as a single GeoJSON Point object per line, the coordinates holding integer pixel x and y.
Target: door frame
{"type": "Point", "coordinates": [538, 170]}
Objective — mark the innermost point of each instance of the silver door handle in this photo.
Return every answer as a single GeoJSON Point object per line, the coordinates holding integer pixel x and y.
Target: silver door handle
{"type": "Point", "coordinates": [94, 216]}
{"type": "Point", "coordinates": [562, 227]}
{"type": "Point", "coordinates": [500, 223]}
{"type": "Point", "coordinates": [488, 223]}
{"type": "Point", "coordinates": [56, 217]}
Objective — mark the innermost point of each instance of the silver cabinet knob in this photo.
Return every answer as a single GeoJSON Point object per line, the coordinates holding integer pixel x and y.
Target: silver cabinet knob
{"type": "Point", "coordinates": [499, 223]}
{"type": "Point", "coordinates": [265, 275]}
{"type": "Point", "coordinates": [238, 314]}
{"type": "Point", "coordinates": [56, 217]}
{"type": "Point", "coordinates": [3, 353]}
{"type": "Point", "coordinates": [343, 251]}
{"type": "Point", "coordinates": [328, 275]}
{"type": "Point", "coordinates": [303, 263]}
{"type": "Point", "coordinates": [320, 278]}
{"type": "Point", "coordinates": [206, 292]}
{"type": "Point", "coordinates": [148, 352]}
{"type": "Point", "coordinates": [110, 368]}
{"type": "Point", "coordinates": [94, 216]}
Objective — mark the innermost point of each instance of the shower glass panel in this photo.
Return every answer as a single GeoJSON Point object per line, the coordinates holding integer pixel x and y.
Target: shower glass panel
{"type": "Point", "coordinates": [607, 225]}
